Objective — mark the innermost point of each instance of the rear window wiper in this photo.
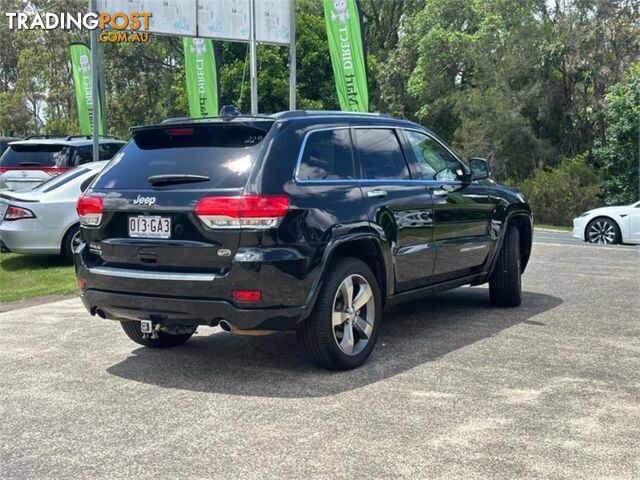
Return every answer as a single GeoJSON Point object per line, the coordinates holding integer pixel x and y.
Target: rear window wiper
{"type": "Point", "coordinates": [176, 178]}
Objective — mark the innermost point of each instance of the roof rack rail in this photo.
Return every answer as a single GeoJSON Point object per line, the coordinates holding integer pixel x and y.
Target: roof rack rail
{"type": "Point", "coordinates": [30, 137]}
{"type": "Point", "coordinates": [301, 113]}
{"type": "Point", "coordinates": [71, 137]}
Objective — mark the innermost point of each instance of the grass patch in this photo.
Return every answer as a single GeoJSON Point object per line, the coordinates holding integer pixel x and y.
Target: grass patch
{"type": "Point", "coordinates": [30, 276]}
{"type": "Point", "coordinates": [564, 228]}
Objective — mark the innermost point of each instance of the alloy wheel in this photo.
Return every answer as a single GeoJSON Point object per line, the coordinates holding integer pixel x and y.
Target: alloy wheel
{"type": "Point", "coordinates": [602, 231]}
{"type": "Point", "coordinates": [353, 314]}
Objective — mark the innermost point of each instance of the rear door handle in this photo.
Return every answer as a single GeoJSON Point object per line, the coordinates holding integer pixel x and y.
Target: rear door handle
{"type": "Point", "coordinates": [376, 193]}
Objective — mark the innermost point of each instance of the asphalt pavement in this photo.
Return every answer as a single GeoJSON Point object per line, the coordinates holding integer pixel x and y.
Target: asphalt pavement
{"type": "Point", "coordinates": [454, 389]}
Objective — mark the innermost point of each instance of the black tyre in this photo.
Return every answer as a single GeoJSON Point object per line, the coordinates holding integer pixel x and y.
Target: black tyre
{"type": "Point", "coordinates": [505, 286]}
{"type": "Point", "coordinates": [603, 230]}
{"type": "Point", "coordinates": [70, 241]}
{"type": "Point", "coordinates": [343, 328]}
{"type": "Point", "coordinates": [164, 340]}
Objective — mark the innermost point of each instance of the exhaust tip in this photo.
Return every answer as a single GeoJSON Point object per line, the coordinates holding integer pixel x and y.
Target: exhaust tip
{"type": "Point", "coordinates": [101, 313]}
{"type": "Point", "coordinates": [224, 325]}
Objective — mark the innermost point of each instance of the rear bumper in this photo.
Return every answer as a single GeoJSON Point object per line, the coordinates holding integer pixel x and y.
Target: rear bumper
{"type": "Point", "coordinates": [188, 311]}
{"type": "Point", "coordinates": [28, 236]}
{"type": "Point", "coordinates": [191, 298]}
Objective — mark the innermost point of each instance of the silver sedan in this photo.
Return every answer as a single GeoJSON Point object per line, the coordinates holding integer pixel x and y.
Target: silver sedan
{"type": "Point", "coordinates": [43, 220]}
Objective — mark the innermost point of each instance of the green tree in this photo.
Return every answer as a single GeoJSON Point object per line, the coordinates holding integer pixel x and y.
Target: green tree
{"type": "Point", "coordinates": [13, 116]}
{"type": "Point", "coordinates": [559, 194]}
{"type": "Point", "coordinates": [619, 154]}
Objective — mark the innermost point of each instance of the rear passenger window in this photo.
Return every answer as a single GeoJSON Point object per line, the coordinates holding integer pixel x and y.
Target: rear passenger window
{"type": "Point", "coordinates": [86, 182]}
{"type": "Point", "coordinates": [326, 156]}
{"type": "Point", "coordinates": [82, 155]}
{"type": "Point", "coordinates": [108, 150]}
{"type": "Point", "coordinates": [380, 154]}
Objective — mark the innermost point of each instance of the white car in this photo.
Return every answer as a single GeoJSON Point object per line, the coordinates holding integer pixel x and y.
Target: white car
{"type": "Point", "coordinates": [44, 220]}
{"type": "Point", "coordinates": [26, 163]}
{"type": "Point", "coordinates": [609, 225]}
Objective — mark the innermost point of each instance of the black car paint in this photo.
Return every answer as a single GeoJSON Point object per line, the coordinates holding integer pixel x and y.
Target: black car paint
{"type": "Point", "coordinates": [423, 236]}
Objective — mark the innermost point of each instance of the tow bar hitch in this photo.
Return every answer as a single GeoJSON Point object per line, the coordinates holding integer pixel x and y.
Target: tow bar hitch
{"type": "Point", "coordinates": [148, 329]}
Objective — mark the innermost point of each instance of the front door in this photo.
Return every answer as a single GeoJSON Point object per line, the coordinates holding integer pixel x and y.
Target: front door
{"type": "Point", "coordinates": [461, 210]}
{"type": "Point", "coordinates": [397, 205]}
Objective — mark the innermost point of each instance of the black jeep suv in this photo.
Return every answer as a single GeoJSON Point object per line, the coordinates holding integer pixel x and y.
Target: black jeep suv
{"type": "Point", "coordinates": [306, 221]}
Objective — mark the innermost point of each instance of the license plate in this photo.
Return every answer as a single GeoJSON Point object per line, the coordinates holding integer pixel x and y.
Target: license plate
{"type": "Point", "coordinates": [149, 226]}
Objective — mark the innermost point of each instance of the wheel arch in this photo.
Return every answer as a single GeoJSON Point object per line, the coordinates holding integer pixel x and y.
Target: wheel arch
{"type": "Point", "coordinates": [366, 247]}
{"type": "Point", "coordinates": [523, 221]}
{"type": "Point", "coordinates": [66, 232]}
{"type": "Point", "coordinates": [524, 225]}
{"type": "Point", "coordinates": [603, 217]}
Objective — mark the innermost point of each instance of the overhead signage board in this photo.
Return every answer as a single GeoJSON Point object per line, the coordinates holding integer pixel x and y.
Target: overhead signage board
{"type": "Point", "coordinates": [224, 19]}
{"type": "Point", "coordinates": [273, 21]}
{"type": "Point", "coordinates": [231, 20]}
{"type": "Point", "coordinates": [218, 19]}
{"type": "Point", "coordinates": [169, 17]}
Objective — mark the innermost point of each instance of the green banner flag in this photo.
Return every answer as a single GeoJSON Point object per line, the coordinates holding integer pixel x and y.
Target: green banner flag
{"type": "Point", "coordinates": [347, 54]}
{"type": "Point", "coordinates": [202, 78]}
{"type": "Point", "coordinates": [81, 65]}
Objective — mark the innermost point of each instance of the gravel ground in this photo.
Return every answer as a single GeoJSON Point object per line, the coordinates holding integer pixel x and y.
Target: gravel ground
{"type": "Point", "coordinates": [454, 389]}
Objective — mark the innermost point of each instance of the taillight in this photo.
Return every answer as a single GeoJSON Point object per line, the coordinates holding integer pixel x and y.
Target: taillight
{"type": "Point", "coordinates": [89, 210]}
{"type": "Point", "coordinates": [247, 295]}
{"type": "Point", "coordinates": [17, 213]}
{"type": "Point", "coordinates": [247, 211]}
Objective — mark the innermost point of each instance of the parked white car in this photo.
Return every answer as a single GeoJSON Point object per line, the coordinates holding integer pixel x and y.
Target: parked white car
{"type": "Point", "coordinates": [609, 225]}
{"type": "Point", "coordinates": [44, 220]}
{"type": "Point", "coordinates": [29, 162]}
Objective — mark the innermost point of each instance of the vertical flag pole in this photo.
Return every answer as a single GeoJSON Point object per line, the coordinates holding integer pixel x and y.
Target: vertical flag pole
{"type": "Point", "coordinates": [95, 96]}
{"type": "Point", "coordinates": [292, 58]}
{"type": "Point", "coordinates": [253, 58]}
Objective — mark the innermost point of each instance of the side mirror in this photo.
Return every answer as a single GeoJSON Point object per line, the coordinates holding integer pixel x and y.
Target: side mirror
{"type": "Point", "coordinates": [479, 168]}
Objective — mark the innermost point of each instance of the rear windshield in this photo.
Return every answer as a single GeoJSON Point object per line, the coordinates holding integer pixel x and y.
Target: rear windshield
{"type": "Point", "coordinates": [223, 153]}
{"type": "Point", "coordinates": [33, 156]}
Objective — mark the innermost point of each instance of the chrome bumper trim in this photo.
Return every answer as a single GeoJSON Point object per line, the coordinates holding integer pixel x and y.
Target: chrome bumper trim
{"type": "Point", "coordinates": [147, 275]}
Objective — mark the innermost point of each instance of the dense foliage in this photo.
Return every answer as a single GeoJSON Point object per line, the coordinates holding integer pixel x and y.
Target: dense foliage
{"type": "Point", "coordinates": [619, 154]}
{"type": "Point", "coordinates": [559, 194]}
{"type": "Point", "coordinates": [523, 83]}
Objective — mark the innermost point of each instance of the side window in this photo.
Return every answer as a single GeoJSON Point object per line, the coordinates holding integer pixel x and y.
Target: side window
{"type": "Point", "coordinates": [434, 162]}
{"type": "Point", "coordinates": [62, 157]}
{"type": "Point", "coordinates": [326, 156]}
{"type": "Point", "coordinates": [108, 150]}
{"type": "Point", "coordinates": [81, 155]}
{"type": "Point", "coordinates": [380, 154]}
{"type": "Point", "coordinates": [85, 183]}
